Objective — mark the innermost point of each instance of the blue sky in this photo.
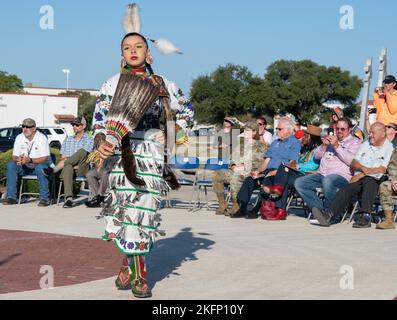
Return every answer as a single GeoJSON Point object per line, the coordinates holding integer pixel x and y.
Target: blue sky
{"type": "Point", "coordinates": [254, 33]}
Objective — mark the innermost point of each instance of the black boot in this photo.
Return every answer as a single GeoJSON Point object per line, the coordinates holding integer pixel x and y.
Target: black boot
{"type": "Point", "coordinates": [254, 214]}
{"type": "Point", "coordinates": [95, 202]}
{"type": "Point", "coordinates": [242, 212]}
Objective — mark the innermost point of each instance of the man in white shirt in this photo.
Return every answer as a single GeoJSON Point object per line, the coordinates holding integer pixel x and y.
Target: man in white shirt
{"type": "Point", "coordinates": [31, 155]}
{"type": "Point", "coordinates": [370, 166]}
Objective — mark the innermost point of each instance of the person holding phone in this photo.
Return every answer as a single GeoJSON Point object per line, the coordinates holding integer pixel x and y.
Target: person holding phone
{"type": "Point", "coordinates": [385, 101]}
{"type": "Point", "coordinates": [336, 154]}
{"type": "Point", "coordinates": [370, 165]}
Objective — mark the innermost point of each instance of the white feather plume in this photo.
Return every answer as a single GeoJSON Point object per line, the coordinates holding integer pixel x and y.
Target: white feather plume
{"type": "Point", "coordinates": [166, 47]}
{"type": "Point", "coordinates": [132, 20]}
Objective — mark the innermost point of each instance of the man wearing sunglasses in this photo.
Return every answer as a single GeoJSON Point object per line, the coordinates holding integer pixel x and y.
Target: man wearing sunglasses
{"type": "Point", "coordinates": [370, 166]}
{"type": "Point", "coordinates": [284, 149]}
{"type": "Point", "coordinates": [31, 155]}
{"type": "Point", "coordinates": [74, 151]}
{"type": "Point", "coordinates": [336, 154]}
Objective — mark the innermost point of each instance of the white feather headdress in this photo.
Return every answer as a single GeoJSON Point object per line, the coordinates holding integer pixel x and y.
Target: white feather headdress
{"type": "Point", "coordinates": [132, 23]}
{"type": "Point", "coordinates": [132, 20]}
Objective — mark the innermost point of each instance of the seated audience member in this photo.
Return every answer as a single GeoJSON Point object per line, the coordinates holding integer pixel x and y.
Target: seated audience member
{"type": "Point", "coordinates": [30, 156]}
{"type": "Point", "coordinates": [265, 137]}
{"type": "Point", "coordinates": [370, 165]}
{"type": "Point", "coordinates": [391, 132]}
{"type": "Point", "coordinates": [336, 155]}
{"type": "Point", "coordinates": [283, 150]}
{"type": "Point", "coordinates": [288, 173]}
{"type": "Point", "coordinates": [254, 151]}
{"type": "Point", "coordinates": [98, 178]}
{"type": "Point", "coordinates": [75, 151]}
{"type": "Point", "coordinates": [387, 190]}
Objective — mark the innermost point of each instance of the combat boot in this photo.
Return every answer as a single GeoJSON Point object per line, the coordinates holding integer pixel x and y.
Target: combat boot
{"type": "Point", "coordinates": [222, 205]}
{"type": "Point", "coordinates": [388, 223]}
{"type": "Point", "coordinates": [234, 209]}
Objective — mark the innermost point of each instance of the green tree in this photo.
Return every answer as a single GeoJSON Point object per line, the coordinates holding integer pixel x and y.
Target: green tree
{"type": "Point", "coordinates": [302, 88]}
{"type": "Point", "coordinates": [229, 90]}
{"type": "Point", "coordinates": [10, 83]}
{"type": "Point", "coordinates": [86, 104]}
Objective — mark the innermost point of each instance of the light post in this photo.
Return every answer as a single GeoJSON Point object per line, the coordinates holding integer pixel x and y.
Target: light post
{"type": "Point", "coordinates": [67, 72]}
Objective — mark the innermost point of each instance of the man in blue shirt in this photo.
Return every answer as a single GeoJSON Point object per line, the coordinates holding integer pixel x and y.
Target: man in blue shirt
{"type": "Point", "coordinates": [74, 151]}
{"type": "Point", "coordinates": [284, 149]}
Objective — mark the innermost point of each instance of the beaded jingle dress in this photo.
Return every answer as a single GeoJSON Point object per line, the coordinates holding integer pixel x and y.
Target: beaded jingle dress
{"type": "Point", "coordinates": [131, 211]}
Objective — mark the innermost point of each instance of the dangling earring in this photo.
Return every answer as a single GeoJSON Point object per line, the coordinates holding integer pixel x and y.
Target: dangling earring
{"type": "Point", "coordinates": [149, 57]}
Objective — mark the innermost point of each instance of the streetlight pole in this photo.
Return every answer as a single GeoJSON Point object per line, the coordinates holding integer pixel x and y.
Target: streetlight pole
{"type": "Point", "coordinates": [67, 72]}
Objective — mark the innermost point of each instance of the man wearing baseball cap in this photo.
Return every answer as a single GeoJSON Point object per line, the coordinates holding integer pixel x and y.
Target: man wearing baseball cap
{"type": "Point", "coordinates": [386, 101]}
{"type": "Point", "coordinates": [74, 153]}
{"type": "Point", "coordinates": [31, 155]}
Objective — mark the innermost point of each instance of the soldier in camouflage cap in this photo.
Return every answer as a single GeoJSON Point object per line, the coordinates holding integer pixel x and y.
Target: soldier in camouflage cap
{"type": "Point", "coordinates": [253, 151]}
{"type": "Point", "coordinates": [387, 190]}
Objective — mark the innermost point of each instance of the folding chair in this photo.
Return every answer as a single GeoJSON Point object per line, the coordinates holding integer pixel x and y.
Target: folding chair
{"type": "Point", "coordinates": [83, 180]}
{"type": "Point", "coordinates": [182, 163]}
{"type": "Point", "coordinates": [211, 165]}
{"type": "Point", "coordinates": [33, 177]}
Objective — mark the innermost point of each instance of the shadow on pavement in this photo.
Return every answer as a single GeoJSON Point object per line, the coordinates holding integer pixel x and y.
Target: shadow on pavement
{"type": "Point", "coordinates": [10, 258]}
{"type": "Point", "coordinates": [169, 254]}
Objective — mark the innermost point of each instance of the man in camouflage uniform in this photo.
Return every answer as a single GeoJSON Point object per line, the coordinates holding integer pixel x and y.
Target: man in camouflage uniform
{"type": "Point", "coordinates": [387, 190]}
{"type": "Point", "coordinates": [253, 151]}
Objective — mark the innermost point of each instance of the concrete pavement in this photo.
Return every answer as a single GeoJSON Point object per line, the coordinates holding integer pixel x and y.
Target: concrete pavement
{"type": "Point", "coordinates": [205, 256]}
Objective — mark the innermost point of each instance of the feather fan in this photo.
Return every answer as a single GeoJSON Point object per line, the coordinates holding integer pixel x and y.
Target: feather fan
{"type": "Point", "coordinates": [134, 96]}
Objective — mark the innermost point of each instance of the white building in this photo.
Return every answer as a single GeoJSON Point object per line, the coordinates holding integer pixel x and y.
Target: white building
{"type": "Point", "coordinates": [46, 110]}
{"type": "Point", "coordinates": [55, 91]}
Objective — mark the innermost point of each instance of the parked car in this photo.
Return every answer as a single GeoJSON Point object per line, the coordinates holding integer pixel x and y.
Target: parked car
{"type": "Point", "coordinates": [55, 136]}
{"type": "Point", "coordinates": [202, 132]}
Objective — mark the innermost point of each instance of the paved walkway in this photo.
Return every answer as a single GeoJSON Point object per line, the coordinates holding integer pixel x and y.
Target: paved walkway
{"type": "Point", "coordinates": [205, 256]}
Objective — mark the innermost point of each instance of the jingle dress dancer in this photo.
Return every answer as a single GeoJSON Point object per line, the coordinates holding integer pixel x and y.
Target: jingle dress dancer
{"type": "Point", "coordinates": [131, 210]}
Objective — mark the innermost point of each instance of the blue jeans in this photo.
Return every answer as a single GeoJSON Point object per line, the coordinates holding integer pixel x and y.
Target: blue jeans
{"type": "Point", "coordinates": [306, 187]}
{"type": "Point", "coordinates": [14, 172]}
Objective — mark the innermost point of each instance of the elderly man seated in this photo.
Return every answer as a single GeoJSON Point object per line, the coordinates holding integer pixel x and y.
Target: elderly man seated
{"type": "Point", "coordinates": [75, 151]}
{"type": "Point", "coordinates": [370, 165]}
{"type": "Point", "coordinates": [336, 153]}
{"type": "Point", "coordinates": [284, 149]}
{"type": "Point", "coordinates": [254, 151]}
{"type": "Point", "coordinates": [31, 155]}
